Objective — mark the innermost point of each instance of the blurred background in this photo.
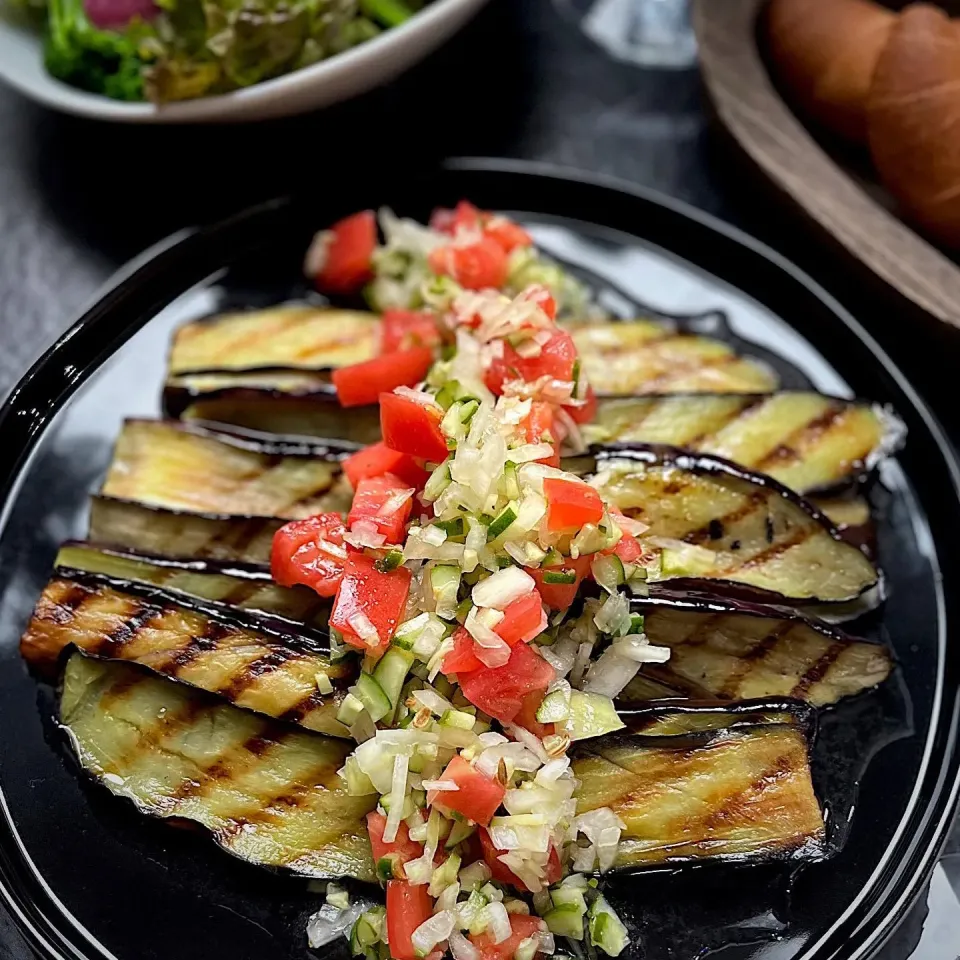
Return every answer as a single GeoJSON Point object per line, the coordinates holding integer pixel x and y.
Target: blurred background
{"type": "Point", "coordinates": [607, 86]}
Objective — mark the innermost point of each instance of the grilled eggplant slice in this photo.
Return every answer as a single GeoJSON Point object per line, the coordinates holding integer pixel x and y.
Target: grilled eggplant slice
{"type": "Point", "coordinates": [740, 651]}
{"type": "Point", "coordinates": [257, 661]}
{"type": "Point", "coordinates": [807, 441]}
{"type": "Point", "coordinates": [284, 402]}
{"type": "Point", "coordinates": [224, 542]}
{"type": "Point", "coordinates": [642, 356]}
{"type": "Point", "coordinates": [252, 590]}
{"type": "Point", "coordinates": [267, 792]}
{"type": "Point", "coordinates": [731, 529]}
{"type": "Point", "coordinates": [700, 784]}
{"type": "Point", "coordinates": [297, 336]}
{"type": "Point", "coordinates": [183, 467]}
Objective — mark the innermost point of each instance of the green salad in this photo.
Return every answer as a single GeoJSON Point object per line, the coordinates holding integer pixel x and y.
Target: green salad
{"type": "Point", "coordinates": [170, 50]}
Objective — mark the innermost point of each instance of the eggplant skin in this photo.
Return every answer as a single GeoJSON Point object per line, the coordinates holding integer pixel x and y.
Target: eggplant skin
{"type": "Point", "coordinates": [621, 358]}
{"type": "Point", "coordinates": [173, 465]}
{"type": "Point", "coordinates": [267, 792]}
{"type": "Point", "coordinates": [219, 539]}
{"type": "Point", "coordinates": [732, 655]}
{"type": "Point", "coordinates": [290, 335]}
{"type": "Point", "coordinates": [212, 649]}
{"type": "Point", "coordinates": [718, 524]}
{"type": "Point", "coordinates": [245, 590]}
{"type": "Point", "coordinates": [807, 441]}
{"type": "Point", "coordinates": [737, 793]}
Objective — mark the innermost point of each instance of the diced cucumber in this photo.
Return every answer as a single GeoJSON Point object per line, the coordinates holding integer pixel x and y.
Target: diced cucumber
{"type": "Point", "coordinates": [463, 608]}
{"type": "Point", "coordinates": [469, 408]}
{"type": "Point", "coordinates": [606, 929]}
{"type": "Point", "coordinates": [369, 692]}
{"type": "Point", "coordinates": [443, 686]}
{"type": "Point", "coordinates": [390, 675]}
{"type": "Point", "coordinates": [438, 481]}
{"type": "Point", "coordinates": [460, 831]}
{"type": "Point", "coordinates": [458, 719]}
{"type": "Point", "coordinates": [390, 561]}
{"type": "Point", "coordinates": [510, 483]}
{"type": "Point", "coordinates": [502, 520]}
{"type": "Point", "coordinates": [337, 896]}
{"type": "Point", "coordinates": [554, 558]}
{"type": "Point", "coordinates": [452, 528]}
{"type": "Point", "coordinates": [566, 920]}
{"type": "Point", "coordinates": [559, 576]}
{"type": "Point", "coordinates": [474, 876]}
{"type": "Point", "coordinates": [607, 570]}
{"type": "Point", "coordinates": [554, 708]}
{"type": "Point", "coordinates": [636, 623]}
{"type": "Point", "coordinates": [444, 875]}
{"type": "Point", "coordinates": [448, 393]}
{"type": "Point", "coordinates": [591, 715]}
{"type": "Point", "coordinates": [350, 709]}
{"type": "Point", "coordinates": [389, 867]}
{"type": "Point", "coordinates": [445, 584]}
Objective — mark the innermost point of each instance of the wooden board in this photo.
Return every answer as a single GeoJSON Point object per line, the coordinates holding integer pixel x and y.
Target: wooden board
{"type": "Point", "coordinates": [754, 113]}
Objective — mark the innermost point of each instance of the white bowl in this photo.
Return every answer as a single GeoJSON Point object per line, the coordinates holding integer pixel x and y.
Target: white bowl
{"type": "Point", "coordinates": [345, 75]}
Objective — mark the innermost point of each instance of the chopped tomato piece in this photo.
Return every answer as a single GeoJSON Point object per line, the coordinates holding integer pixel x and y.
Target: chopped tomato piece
{"type": "Point", "coordinates": [407, 907]}
{"type": "Point", "coordinates": [508, 234]}
{"type": "Point", "coordinates": [475, 266]}
{"type": "Point", "coordinates": [411, 427]}
{"type": "Point", "coordinates": [499, 691]}
{"type": "Point", "coordinates": [477, 798]}
{"type": "Point", "coordinates": [445, 220]}
{"type": "Point", "coordinates": [368, 594]}
{"type": "Point", "coordinates": [462, 658]}
{"type": "Point", "coordinates": [310, 552]}
{"type": "Point", "coordinates": [362, 383]}
{"type": "Point", "coordinates": [523, 926]}
{"type": "Point", "coordinates": [403, 846]}
{"type": "Point", "coordinates": [542, 297]}
{"type": "Point", "coordinates": [628, 548]}
{"type": "Point", "coordinates": [527, 717]}
{"type": "Point", "coordinates": [503, 874]}
{"type": "Point", "coordinates": [346, 266]}
{"type": "Point", "coordinates": [407, 329]}
{"type": "Point", "coordinates": [558, 584]}
{"type": "Point", "coordinates": [378, 459]}
{"type": "Point", "coordinates": [384, 501]}
{"type": "Point", "coordinates": [555, 360]}
{"type": "Point", "coordinates": [539, 427]}
{"type": "Point", "coordinates": [571, 504]}
{"type": "Point", "coordinates": [522, 620]}
{"type": "Point", "coordinates": [586, 412]}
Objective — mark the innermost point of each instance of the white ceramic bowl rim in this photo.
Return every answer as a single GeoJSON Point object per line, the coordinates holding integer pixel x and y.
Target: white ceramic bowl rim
{"type": "Point", "coordinates": [339, 68]}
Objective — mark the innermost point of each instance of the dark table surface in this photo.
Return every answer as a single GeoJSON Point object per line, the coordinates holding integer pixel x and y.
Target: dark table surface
{"type": "Point", "coordinates": [78, 198]}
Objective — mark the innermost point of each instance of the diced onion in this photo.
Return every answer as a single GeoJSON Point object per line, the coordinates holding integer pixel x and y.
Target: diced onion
{"type": "Point", "coordinates": [441, 786]}
{"type": "Point", "coordinates": [502, 588]}
{"type": "Point", "coordinates": [398, 791]}
{"type": "Point", "coordinates": [432, 931]}
{"type": "Point", "coordinates": [462, 948]}
{"type": "Point", "coordinates": [328, 923]}
{"type": "Point", "coordinates": [610, 674]}
{"type": "Point", "coordinates": [361, 624]}
{"type": "Point", "coordinates": [498, 922]}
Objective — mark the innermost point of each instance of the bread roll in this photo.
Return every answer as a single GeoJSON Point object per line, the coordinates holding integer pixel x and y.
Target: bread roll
{"type": "Point", "coordinates": [913, 119]}
{"type": "Point", "coordinates": [825, 52]}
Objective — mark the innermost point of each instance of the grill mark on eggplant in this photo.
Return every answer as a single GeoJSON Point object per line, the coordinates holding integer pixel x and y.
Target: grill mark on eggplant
{"type": "Point", "coordinates": [63, 609]}
{"type": "Point", "coordinates": [798, 536]}
{"type": "Point", "coordinates": [782, 767]}
{"type": "Point", "coordinates": [750, 401]}
{"type": "Point", "coordinates": [300, 711]}
{"type": "Point", "coordinates": [790, 449]}
{"type": "Point", "coordinates": [655, 384]}
{"type": "Point", "coordinates": [819, 670]}
{"type": "Point", "coordinates": [251, 672]}
{"type": "Point", "coordinates": [204, 642]}
{"type": "Point", "coordinates": [751, 502]}
{"type": "Point", "coordinates": [747, 661]}
{"type": "Point", "coordinates": [140, 615]}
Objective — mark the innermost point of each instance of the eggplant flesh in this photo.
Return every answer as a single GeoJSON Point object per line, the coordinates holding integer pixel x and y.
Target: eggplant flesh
{"type": "Point", "coordinates": [222, 541]}
{"type": "Point", "coordinates": [267, 792]}
{"type": "Point", "coordinates": [180, 467]}
{"type": "Point", "coordinates": [642, 356]}
{"type": "Point", "coordinates": [709, 791]}
{"type": "Point", "coordinates": [807, 441]}
{"type": "Point", "coordinates": [738, 655]}
{"type": "Point", "coordinates": [242, 589]}
{"type": "Point", "coordinates": [713, 522]}
{"type": "Point", "coordinates": [269, 409]}
{"type": "Point", "coordinates": [290, 335]}
{"type": "Point", "coordinates": [254, 662]}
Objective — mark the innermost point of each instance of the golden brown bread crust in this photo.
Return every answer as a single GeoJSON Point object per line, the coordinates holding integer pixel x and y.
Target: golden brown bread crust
{"type": "Point", "coordinates": [825, 52]}
{"type": "Point", "coordinates": [913, 113]}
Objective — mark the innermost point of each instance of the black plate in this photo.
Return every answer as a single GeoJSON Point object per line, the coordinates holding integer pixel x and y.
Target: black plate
{"type": "Point", "coordinates": [88, 878]}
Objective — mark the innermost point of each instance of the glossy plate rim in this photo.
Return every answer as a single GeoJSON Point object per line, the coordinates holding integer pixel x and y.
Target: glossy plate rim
{"type": "Point", "coordinates": [169, 268]}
